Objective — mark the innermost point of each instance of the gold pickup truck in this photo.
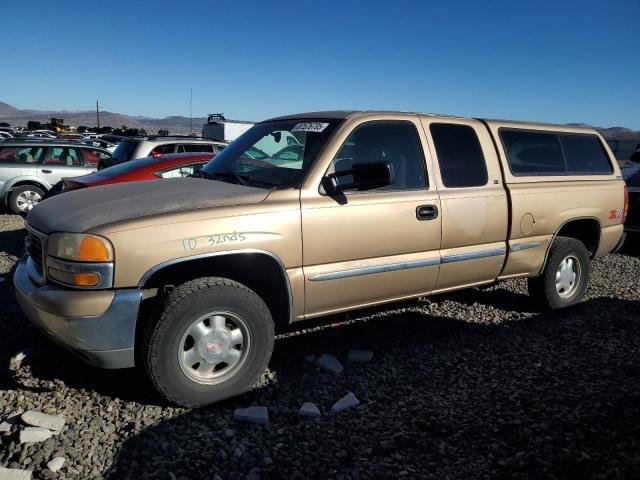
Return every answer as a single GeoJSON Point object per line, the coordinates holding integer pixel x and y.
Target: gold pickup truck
{"type": "Point", "coordinates": [309, 215]}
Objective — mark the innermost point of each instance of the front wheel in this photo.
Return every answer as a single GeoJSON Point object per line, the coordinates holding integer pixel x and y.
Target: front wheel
{"type": "Point", "coordinates": [565, 276]}
{"type": "Point", "coordinates": [24, 198]}
{"type": "Point", "coordinates": [213, 340]}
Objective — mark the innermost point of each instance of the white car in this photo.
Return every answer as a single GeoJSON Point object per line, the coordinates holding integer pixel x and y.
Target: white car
{"type": "Point", "coordinates": [41, 134]}
{"type": "Point", "coordinates": [5, 135]}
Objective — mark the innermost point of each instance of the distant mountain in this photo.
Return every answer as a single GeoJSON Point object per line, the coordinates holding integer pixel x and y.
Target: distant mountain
{"type": "Point", "coordinates": [613, 133]}
{"type": "Point", "coordinates": [178, 124]}
{"type": "Point", "coordinates": [175, 124]}
{"type": "Point", "coordinates": [7, 110]}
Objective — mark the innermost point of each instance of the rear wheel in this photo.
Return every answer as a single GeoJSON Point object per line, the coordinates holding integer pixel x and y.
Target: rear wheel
{"type": "Point", "coordinates": [24, 198]}
{"type": "Point", "coordinates": [213, 340]}
{"type": "Point", "coordinates": [565, 276]}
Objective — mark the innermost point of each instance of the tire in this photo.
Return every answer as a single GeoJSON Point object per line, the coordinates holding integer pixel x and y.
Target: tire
{"type": "Point", "coordinates": [24, 198]}
{"type": "Point", "coordinates": [171, 344]}
{"type": "Point", "coordinates": [553, 288]}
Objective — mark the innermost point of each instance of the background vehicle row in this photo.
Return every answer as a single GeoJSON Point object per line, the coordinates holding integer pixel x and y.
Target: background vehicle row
{"type": "Point", "coordinates": [31, 167]}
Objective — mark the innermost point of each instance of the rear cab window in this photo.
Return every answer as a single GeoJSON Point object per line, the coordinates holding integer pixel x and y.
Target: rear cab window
{"type": "Point", "coordinates": [541, 152]}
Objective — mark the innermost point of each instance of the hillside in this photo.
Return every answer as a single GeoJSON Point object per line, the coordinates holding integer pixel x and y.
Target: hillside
{"type": "Point", "coordinates": [179, 124]}
{"type": "Point", "coordinates": [175, 124]}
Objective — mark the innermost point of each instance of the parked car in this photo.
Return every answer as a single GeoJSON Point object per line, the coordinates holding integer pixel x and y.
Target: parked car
{"type": "Point", "coordinates": [101, 143]}
{"type": "Point", "coordinates": [633, 218]}
{"type": "Point", "coordinates": [631, 166]}
{"type": "Point", "coordinates": [70, 136]}
{"type": "Point", "coordinates": [41, 134]}
{"type": "Point", "coordinates": [176, 165]}
{"type": "Point", "coordinates": [5, 136]}
{"type": "Point", "coordinates": [132, 148]}
{"type": "Point", "coordinates": [191, 276]}
{"type": "Point", "coordinates": [30, 167]}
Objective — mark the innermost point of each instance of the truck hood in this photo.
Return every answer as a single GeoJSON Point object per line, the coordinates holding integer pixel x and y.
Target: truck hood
{"type": "Point", "coordinates": [78, 211]}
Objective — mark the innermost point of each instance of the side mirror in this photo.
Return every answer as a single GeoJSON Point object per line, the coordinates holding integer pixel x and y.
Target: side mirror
{"type": "Point", "coordinates": [362, 176]}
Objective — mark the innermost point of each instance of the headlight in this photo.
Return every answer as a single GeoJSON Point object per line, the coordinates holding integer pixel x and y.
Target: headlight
{"type": "Point", "coordinates": [80, 260]}
{"type": "Point", "coordinates": [80, 247]}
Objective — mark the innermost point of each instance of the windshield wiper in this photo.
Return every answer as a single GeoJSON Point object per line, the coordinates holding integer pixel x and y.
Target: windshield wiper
{"type": "Point", "coordinates": [228, 175]}
{"type": "Point", "coordinates": [239, 179]}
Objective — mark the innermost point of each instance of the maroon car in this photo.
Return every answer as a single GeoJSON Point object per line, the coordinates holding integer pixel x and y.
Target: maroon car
{"type": "Point", "coordinates": [167, 166]}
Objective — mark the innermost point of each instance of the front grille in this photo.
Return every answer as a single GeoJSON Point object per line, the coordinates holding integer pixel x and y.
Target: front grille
{"type": "Point", "coordinates": [34, 249]}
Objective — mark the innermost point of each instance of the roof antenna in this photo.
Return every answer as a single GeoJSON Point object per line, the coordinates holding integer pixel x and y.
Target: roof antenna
{"type": "Point", "coordinates": [191, 112]}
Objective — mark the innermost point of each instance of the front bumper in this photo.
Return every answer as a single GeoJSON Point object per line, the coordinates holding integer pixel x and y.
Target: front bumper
{"type": "Point", "coordinates": [105, 340]}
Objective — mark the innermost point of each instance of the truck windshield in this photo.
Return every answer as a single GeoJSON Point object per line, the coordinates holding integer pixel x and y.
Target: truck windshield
{"type": "Point", "coordinates": [274, 154]}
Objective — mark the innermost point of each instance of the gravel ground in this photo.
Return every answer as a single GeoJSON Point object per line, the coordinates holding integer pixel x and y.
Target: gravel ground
{"type": "Point", "coordinates": [476, 384]}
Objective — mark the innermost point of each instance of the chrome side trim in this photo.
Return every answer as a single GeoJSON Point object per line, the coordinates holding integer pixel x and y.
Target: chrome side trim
{"type": "Point", "coordinates": [390, 267]}
{"type": "Point", "coordinates": [523, 246]}
{"type": "Point", "coordinates": [174, 261]}
{"type": "Point", "coordinates": [104, 271]}
{"type": "Point", "coordinates": [474, 255]}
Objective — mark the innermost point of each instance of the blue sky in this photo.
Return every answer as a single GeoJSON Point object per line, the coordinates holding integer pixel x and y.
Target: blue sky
{"type": "Point", "coordinates": [557, 61]}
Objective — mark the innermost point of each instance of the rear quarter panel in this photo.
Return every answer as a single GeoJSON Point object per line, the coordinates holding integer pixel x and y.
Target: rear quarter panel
{"type": "Point", "coordinates": [542, 204]}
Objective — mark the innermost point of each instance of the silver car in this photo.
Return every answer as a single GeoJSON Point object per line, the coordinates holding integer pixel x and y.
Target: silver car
{"type": "Point", "coordinates": [155, 146]}
{"type": "Point", "coordinates": [31, 167]}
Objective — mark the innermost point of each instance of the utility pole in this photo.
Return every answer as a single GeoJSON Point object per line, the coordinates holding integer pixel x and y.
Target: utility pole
{"type": "Point", "coordinates": [191, 111]}
{"type": "Point", "coordinates": [98, 113]}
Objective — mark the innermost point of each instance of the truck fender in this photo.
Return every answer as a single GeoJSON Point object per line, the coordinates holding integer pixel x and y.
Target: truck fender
{"type": "Point", "coordinates": [192, 258]}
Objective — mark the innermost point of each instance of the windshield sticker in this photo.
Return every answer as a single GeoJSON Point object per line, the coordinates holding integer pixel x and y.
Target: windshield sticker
{"type": "Point", "coordinates": [310, 127]}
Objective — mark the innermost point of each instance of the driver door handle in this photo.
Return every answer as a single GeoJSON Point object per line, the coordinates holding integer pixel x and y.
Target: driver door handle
{"type": "Point", "coordinates": [427, 212]}
{"type": "Point", "coordinates": [45, 170]}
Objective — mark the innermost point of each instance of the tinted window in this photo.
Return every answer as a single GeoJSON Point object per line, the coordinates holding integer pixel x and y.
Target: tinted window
{"type": "Point", "coordinates": [24, 155]}
{"type": "Point", "coordinates": [394, 143]}
{"type": "Point", "coordinates": [198, 147]}
{"type": "Point", "coordinates": [584, 154]}
{"type": "Point", "coordinates": [533, 152]}
{"type": "Point", "coordinates": [550, 153]}
{"type": "Point", "coordinates": [460, 155]}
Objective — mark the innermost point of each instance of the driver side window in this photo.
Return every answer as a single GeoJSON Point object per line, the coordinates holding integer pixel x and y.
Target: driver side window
{"type": "Point", "coordinates": [395, 143]}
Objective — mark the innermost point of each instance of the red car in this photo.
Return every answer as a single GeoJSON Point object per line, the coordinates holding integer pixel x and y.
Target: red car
{"type": "Point", "coordinates": [149, 168]}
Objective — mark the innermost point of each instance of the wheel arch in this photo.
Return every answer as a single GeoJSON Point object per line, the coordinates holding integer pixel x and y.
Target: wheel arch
{"type": "Point", "coordinates": [12, 184]}
{"type": "Point", "coordinates": [260, 270]}
{"type": "Point", "coordinates": [587, 230]}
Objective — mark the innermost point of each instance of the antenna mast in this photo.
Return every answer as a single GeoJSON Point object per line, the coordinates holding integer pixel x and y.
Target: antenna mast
{"type": "Point", "coordinates": [191, 111]}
